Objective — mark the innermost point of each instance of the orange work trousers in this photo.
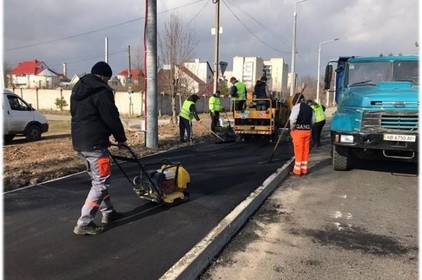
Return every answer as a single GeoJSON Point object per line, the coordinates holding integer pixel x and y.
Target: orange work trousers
{"type": "Point", "coordinates": [301, 143]}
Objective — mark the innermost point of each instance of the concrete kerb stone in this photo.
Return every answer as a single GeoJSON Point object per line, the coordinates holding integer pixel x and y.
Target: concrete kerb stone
{"type": "Point", "coordinates": [192, 264]}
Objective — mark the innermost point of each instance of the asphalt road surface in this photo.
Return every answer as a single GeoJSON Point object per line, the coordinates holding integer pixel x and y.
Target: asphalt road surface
{"type": "Point", "coordinates": [355, 225]}
{"type": "Point", "coordinates": [38, 221]}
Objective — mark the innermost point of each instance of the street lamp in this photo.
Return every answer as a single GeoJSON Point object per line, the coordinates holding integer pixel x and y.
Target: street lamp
{"type": "Point", "coordinates": [293, 77]}
{"type": "Point", "coordinates": [319, 64]}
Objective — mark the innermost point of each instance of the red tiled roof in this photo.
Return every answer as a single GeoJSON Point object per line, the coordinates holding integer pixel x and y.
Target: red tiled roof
{"type": "Point", "coordinates": [135, 72]}
{"type": "Point", "coordinates": [29, 67]}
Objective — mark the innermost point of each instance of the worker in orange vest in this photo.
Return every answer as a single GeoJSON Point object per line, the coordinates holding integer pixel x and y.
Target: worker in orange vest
{"type": "Point", "coordinates": [301, 120]}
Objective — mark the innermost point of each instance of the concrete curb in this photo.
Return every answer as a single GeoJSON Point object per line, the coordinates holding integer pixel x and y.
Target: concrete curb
{"type": "Point", "coordinates": [192, 264]}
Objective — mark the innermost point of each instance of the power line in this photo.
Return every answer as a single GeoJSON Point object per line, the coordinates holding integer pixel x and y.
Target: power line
{"type": "Point", "coordinates": [198, 13]}
{"type": "Point", "coordinates": [84, 59]}
{"type": "Point", "coordinates": [98, 29]}
{"type": "Point", "coordinates": [251, 32]}
{"type": "Point", "coordinates": [259, 22]}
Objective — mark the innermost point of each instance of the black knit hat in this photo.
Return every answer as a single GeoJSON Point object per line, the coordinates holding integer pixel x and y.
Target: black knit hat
{"type": "Point", "coordinates": [102, 68]}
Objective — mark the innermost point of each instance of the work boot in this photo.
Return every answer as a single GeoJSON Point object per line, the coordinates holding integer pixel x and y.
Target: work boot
{"type": "Point", "coordinates": [89, 229]}
{"type": "Point", "coordinates": [110, 217]}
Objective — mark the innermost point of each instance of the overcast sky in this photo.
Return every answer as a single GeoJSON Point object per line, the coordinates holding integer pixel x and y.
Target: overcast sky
{"type": "Point", "coordinates": [365, 27]}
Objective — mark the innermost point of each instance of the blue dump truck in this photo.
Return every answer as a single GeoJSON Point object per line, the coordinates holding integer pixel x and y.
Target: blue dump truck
{"type": "Point", "coordinates": [377, 108]}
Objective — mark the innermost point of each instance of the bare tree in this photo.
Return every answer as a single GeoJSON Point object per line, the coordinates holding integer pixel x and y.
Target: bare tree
{"type": "Point", "coordinates": [176, 47]}
{"type": "Point", "coordinates": [138, 54]}
{"type": "Point", "coordinates": [311, 84]}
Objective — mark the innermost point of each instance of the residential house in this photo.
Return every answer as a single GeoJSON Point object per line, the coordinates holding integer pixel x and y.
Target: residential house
{"type": "Point", "coordinates": [186, 82]}
{"type": "Point", "coordinates": [202, 70]}
{"type": "Point", "coordinates": [34, 74]}
{"type": "Point", "coordinates": [137, 77]}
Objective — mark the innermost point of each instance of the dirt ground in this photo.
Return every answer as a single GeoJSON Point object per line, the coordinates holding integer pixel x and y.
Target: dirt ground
{"type": "Point", "coordinates": [28, 163]}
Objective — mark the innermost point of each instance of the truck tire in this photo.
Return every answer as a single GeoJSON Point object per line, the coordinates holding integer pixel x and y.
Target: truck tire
{"type": "Point", "coordinates": [341, 158]}
{"type": "Point", "coordinates": [33, 132]}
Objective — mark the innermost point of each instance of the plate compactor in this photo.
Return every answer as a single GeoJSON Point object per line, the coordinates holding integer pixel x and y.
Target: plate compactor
{"type": "Point", "coordinates": [167, 185]}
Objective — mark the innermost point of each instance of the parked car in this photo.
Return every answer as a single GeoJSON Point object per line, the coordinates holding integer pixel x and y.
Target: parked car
{"type": "Point", "coordinates": [19, 118]}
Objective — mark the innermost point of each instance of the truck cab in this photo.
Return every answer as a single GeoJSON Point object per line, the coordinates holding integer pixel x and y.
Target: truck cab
{"type": "Point", "coordinates": [377, 108]}
{"type": "Point", "coordinates": [19, 118]}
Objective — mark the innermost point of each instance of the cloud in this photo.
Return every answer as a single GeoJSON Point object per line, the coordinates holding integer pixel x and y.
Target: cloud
{"type": "Point", "coordinates": [365, 27]}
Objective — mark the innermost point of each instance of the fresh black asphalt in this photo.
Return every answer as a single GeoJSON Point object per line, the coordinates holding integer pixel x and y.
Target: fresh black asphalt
{"type": "Point", "coordinates": [38, 221]}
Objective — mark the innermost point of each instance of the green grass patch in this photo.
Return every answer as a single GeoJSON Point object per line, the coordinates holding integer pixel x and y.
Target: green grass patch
{"type": "Point", "coordinates": [56, 127]}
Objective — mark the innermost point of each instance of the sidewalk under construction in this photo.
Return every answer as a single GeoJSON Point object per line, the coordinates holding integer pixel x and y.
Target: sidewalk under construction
{"type": "Point", "coordinates": [38, 221]}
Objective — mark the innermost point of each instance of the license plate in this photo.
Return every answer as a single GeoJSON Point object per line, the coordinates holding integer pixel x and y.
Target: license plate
{"type": "Point", "coordinates": [400, 138]}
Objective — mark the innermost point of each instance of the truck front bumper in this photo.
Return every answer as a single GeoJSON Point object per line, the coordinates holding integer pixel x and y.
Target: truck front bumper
{"type": "Point", "coordinates": [376, 140]}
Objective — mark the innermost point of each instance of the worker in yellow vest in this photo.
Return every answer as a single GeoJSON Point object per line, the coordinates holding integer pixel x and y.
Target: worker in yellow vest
{"type": "Point", "coordinates": [215, 109]}
{"type": "Point", "coordinates": [187, 113]}
{"type": "Point", "coordinates": [238, 94]}
{"type": "Point", "coordinates": [318, 110]}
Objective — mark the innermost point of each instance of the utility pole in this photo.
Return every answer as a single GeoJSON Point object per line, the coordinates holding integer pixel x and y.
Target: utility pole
{"type": "Point", "coordinates": [151, 75]}
{"type": "Point", "coordinates": [319, 66]}
{"type": "Point", "coordinates": [106, 49]}
{"type": "Point", "coordinates": [216, 44]}
{"type": "Point", "coordinates": [129, 70]}
{"type": "Point", "coordinates": [129, 82]}
{"type": "Point", "coordinates": [293, 73]}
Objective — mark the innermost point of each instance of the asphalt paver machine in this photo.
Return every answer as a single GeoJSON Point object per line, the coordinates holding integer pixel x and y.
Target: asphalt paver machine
{"type": "Point", "coordinates": [263, 117]}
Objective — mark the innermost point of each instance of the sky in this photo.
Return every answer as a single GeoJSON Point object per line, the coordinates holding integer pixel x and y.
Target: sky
{"type": "Point", "coordinates": [73, 31]}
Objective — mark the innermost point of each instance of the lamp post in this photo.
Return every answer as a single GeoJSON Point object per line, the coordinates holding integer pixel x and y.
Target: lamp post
{"type": "Point", "coordinates": [319, 63]}
{"type": "Point", "coordinates": [293, 74]}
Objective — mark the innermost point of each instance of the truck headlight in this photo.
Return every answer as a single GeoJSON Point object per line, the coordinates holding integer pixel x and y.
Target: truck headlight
{"type": "Point", "coordinates": [346, 138]}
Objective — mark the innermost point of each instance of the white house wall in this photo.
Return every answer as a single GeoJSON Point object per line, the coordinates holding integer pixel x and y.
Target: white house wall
{"type": "Point", "coordinates": [200, 69]}
{"type": "Point", "coordinates": [47, 99]}
{"type": "Point", "coordinates": [34, 81]}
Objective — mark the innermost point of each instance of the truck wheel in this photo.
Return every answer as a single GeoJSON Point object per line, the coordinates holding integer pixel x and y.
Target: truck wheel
{"type": "Point", "coordinates": [8, 138]}
{"type": "Point", "coordinates": [33, 133]}
{"type": "Point", "coordinates": [341, 158]}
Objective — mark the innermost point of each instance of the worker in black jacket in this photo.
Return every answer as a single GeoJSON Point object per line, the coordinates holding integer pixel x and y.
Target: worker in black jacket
{"type": "Point", "coordinates": [94, 119]}
{"type": "Point", "coordinates": [301, 120]}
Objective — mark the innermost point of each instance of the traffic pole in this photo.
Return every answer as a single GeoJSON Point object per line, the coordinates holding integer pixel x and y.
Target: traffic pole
{"type": "Point", "coordinates": [216, 44]}
{"type": "Point", "coordinates": [151, 75]}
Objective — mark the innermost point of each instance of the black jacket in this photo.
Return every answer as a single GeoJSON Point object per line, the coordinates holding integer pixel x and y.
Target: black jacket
{"type": "Point", "coordinates": [260, 90]}
{"type": "Point", "coordinates": [304, 119]}
{"type": "Point", "coordinates": [94, 115]}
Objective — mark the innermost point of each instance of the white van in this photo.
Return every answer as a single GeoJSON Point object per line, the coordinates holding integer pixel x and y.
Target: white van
{"type": "Point", "coordinates": [19, 118]}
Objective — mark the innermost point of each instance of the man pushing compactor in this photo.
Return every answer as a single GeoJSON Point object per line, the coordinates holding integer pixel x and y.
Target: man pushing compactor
{"type": "Point", "coordinates": [94, 119]}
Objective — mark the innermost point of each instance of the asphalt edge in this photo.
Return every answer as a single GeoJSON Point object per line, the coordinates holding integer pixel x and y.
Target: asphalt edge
{"type": "Point", "coordinates": [194, 262]}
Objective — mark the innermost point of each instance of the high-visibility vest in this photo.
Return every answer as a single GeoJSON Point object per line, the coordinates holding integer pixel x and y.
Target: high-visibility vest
{"type": "Point", "coordinates": [185, 112]}
{"type": "Point", "coordinates": [241, 91]}
{"type": "Point", "coordinates": [319, 113]}
{"type": "Point", "coordinates": [215, 104]}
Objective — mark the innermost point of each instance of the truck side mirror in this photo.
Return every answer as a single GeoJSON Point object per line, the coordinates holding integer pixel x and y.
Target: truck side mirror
{"type": "Point", "coordinates": [328, 76]}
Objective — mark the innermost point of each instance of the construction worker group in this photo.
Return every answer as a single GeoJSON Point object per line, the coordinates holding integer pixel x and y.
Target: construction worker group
{"type": "Point", "coordinates": [95, 118]}
{"type": "Point", "coordinates": [306, 120]}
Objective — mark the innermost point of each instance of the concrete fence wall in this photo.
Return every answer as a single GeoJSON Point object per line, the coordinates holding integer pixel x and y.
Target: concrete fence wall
{"type": "Point", "coordinates": [133, 104]}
